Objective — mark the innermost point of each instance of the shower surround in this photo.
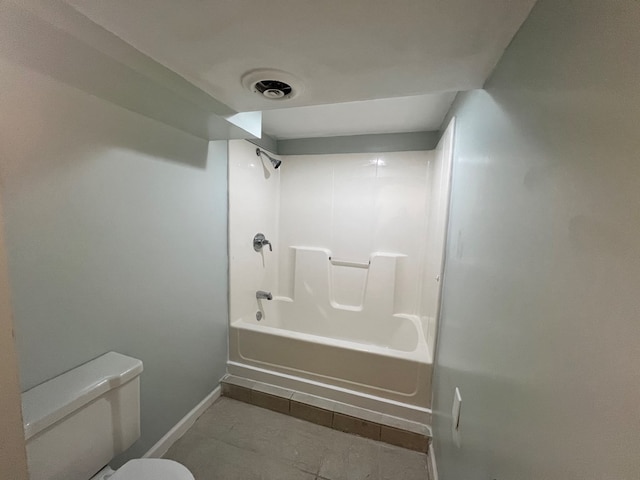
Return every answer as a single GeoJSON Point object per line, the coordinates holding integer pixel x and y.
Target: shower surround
{"type": "Point", "coordinates": [354, 273]}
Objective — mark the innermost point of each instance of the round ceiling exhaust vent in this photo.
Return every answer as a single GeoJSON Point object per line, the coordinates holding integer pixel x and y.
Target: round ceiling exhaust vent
{"type": "Point", "coordinates": [273, 89]}
{"type": "Point", "coordinates": [272, 84]}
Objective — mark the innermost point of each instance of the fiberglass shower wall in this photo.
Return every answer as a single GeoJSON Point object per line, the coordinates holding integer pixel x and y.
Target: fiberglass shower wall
{"type": "Point", "coordinates": [254, 195]}
{"type": "Point", "coordinates": [359, 209]}
{"type": "Point", "coordinates": [346, 225]}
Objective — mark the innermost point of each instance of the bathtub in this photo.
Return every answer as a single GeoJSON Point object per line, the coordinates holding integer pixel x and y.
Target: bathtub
{"type": "Point", "coordinates": [382, 364]}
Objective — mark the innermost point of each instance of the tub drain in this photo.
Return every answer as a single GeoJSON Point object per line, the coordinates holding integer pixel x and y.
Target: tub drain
{"type": "Point", "coordinates": [258, 315]}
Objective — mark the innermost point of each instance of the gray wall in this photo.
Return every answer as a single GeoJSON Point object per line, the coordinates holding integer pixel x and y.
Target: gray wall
{"type": "Point", "coordinates": [541, 317]}
{"type": "Point", "coordinates": [13, 458]}
{"type": "Point", "coordinates": [116, 230]}
{"type": "Point", "coordinates": [374, 143]}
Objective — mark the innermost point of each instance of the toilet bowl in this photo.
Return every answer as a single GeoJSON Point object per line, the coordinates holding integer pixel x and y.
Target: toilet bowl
{"type": "Point", "coordinates": [147, 469]}
{"type": "Point", "coordinates": [77, 422]}
{"type": "Point", "coordinates": [152, 469]}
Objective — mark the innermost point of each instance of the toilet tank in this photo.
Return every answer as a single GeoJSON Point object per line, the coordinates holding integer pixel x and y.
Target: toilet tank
{"type": "Point", "coordinates": [75, 423]}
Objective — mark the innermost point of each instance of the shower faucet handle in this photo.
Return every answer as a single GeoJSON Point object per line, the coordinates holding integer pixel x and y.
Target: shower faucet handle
{"type": "Point", "coordinates": [262, 295]}
{"type": "Point", "coordinates": [260, 241]}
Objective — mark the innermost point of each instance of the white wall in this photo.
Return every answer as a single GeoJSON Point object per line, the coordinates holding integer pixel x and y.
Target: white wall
{"type": "Point", "coordinates": [254, 196]}
{"type": "Point", "coordinates": [116, 238]}
{"type": "Point", "coordinates": [354, 205]}
{"type": "Point", "coordinates": [439, 187]}
{"type": "Point", "coordinates": [350, 204]}
{"type": "Point", "coordinates": [13, 461]}
{"type": "Point", "coordinates": [541, 315]}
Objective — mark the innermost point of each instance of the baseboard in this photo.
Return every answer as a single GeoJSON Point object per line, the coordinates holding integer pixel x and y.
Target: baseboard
{"type": "Point", "coordinates": [431, 463]}
{"type": "Point", "coordinates": [180, 428]}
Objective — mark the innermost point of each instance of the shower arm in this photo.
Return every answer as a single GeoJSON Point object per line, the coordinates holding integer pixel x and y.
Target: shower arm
{"type": "Point", "coordinates": [275, 162]}
{"type": "Point", "coordinates": [262, 152]}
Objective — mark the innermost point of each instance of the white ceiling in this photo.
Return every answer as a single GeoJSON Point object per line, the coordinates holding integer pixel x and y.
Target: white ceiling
{"type": "Point", "coordinates": [340, 50]}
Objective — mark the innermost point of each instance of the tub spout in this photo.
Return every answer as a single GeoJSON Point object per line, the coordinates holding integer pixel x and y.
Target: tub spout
{"type": "Point", "coordinates": [264, 295]}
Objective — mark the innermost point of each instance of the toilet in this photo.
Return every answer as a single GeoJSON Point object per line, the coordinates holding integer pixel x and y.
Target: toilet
{"type": "Point", "coordinates": [76, 423]}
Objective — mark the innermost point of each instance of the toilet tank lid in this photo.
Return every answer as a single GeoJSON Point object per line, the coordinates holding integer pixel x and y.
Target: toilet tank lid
{"type": "Point", "coordinates": [51, 401]}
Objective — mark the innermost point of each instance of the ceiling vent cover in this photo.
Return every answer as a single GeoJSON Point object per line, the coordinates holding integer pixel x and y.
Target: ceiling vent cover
{"type": "Point", "coordinates": [273, 89]}
{"type": "Point", "coordinates": [272, 84]}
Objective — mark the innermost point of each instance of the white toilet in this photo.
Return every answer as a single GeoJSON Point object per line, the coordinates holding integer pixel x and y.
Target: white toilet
{"type": "Point", "coordinates": [76, 423]}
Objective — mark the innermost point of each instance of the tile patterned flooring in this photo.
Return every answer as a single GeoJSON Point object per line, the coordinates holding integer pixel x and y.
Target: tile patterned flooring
{"type": "Point", "coordinates": [339, 416]}
{"type": "Point", "coordinates": [234, 440]}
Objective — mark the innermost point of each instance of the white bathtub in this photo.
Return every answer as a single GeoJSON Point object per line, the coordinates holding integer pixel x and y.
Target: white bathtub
{"type": "Point", "coordinates": [341, 355]}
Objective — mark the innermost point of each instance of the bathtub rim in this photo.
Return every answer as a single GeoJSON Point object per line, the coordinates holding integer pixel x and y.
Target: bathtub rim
{"type": "Point", "coordinates": [420, 354]}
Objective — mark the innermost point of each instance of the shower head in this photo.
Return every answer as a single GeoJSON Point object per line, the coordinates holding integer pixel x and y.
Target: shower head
{"type": "Point", "coordinates": [275, 162]}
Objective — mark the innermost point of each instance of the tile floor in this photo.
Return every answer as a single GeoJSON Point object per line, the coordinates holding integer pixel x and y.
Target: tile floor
{"type": "Point", "coordinates": [234, 440]}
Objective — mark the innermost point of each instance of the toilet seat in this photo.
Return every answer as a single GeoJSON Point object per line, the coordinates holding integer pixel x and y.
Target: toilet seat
{"type": "Point", "coordinates": [152, 469]}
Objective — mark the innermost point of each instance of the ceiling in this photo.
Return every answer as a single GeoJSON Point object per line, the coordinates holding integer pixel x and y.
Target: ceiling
{"type": "Point", "coordinates": [338, 50]}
